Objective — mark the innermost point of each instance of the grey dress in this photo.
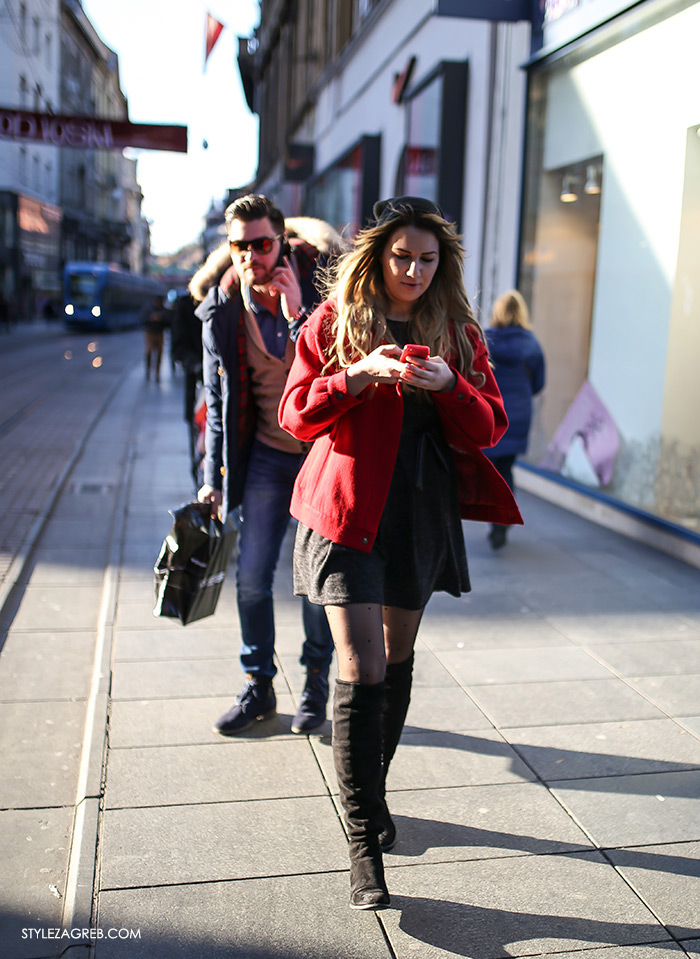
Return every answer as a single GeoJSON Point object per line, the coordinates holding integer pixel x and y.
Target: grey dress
{"type": "Point", "coordinates": [419, 546]}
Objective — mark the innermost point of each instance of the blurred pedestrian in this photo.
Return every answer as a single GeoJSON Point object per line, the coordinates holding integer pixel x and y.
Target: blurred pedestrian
{"type": "Point", "coordinates": [186, 345]}
{"type": "Point", "coordinates": [396, 461]}
{"type": "Point", "coordinates": [154, 324]}
{"type": "Point", "coordinates": [519, 368]}
{"type": "Point", "coordinates": [4, 313]}
{"type": "Point", "coordinates": [250, 318]}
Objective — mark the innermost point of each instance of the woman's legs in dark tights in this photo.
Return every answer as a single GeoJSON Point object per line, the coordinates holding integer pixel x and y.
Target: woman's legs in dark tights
{"type": "Point", "coordinates": [366, 636]}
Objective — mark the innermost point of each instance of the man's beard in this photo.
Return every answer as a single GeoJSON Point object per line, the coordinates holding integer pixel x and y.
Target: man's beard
{"type": "Point", "coordinates": [257, 280]}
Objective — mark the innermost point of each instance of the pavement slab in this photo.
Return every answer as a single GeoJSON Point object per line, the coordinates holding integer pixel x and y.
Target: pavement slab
{"type": "Point", "coordinates": [669, 877]}
{"type": "Point", "coordinates": [487, 667]}
{"type": "Point", "coordinates": [440, 759]}
{"type": "Point", "coordinates": [221, 841]}
{"type": "Point", "coordinates": [635, 810]}
{"type": "Point", "coordinates": [58, 607]}
{"type": "Point", "coordinates": [676, 695]}
{"type": "Point", "coordinates": [304, 916]}
{"type": "Point", "coordinates": [46, 666]}
{"type": "Point", "coordinates": [181, 722]}
{"type": "Point", "coordinates": [36, 845]}
{"type": "Point", "coordinates": [68, 566]}
{"type": "Point", "coordinates": [490, 630]}
{"type": "Point", "coordinates": [178, 643]}
{"type": "Point", "coordinates": [219, 772]}
{"type": "Point", "coordinates": [670, 658]}
{"type": "Point", "coordinates": [524, 906]}
{"type": "Point", "coordinates": [41, 748]}
{"type": "Point", "coordinates": [480, 822]}
{"type": "Point", "coordinates": [606, 749]}
{"type": "Point", "coordinates": [139, 616]}
{"type": "Point", "coordinates": [561, 703]}
{"type": "Point", "coordinates": [177, 678]}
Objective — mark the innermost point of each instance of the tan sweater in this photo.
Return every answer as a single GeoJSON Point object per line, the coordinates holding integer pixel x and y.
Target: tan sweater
{"type": "Point", "coordinates": [268, 376]}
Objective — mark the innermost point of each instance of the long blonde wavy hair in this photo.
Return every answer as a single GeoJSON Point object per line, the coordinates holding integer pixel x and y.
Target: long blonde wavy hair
{"type": "Point", "coordinates": [356, 282]}
{"type": "Point", "coordinates": [510, 309]}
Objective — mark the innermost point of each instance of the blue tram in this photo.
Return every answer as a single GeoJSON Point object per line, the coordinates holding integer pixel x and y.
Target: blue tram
{"type": "Point", "coordinates": [102, 296]}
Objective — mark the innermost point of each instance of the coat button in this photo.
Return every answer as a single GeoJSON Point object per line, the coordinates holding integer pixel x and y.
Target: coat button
{"type": "Point", "coordinates": [364, 541]}
{"type": "Point", "coordinates": [222, 470]}
{"type": "Point", "coordinates": [220, 370]}
{"type": "Point", "coordinates": [460, 396]}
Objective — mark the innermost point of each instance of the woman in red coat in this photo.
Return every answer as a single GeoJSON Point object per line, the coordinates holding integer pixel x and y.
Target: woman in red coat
{"type": "Point", "coordinates": [396, 462]}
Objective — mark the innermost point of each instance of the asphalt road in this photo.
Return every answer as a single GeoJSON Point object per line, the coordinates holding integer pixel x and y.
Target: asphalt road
{"type": "Point", "coordinates": [53, 389]}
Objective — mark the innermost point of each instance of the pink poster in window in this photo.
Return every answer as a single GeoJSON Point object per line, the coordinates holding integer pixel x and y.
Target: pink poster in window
{"type": "Point", "coordinates": [587, 436]}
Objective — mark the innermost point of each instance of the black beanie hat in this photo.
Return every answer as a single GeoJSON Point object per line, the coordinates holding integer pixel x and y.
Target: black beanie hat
{"type": "Point", "coordinates": [384, 210]}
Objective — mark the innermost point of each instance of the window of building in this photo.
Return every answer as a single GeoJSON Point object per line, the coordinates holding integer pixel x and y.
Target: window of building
{"type": "Point", "coordinates": [23, 166]}
{"type": "Point", "coordinates": [35, 35]}
{"type": "Point", "coordinates": [345, 192]}
{"type": "Point", "coordinates": [48, 50]}
{"type": "Point", "coordinates": [420, 161]}
{"type": "Point", "coordinates": [432, 160]}
{"type": "Point", "coordinates": [23, 22]}
{"type": "Point", "coordinates": [23, 92]}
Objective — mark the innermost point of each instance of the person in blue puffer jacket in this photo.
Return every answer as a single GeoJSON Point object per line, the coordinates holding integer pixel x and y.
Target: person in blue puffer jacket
{"type": "Point", "coordinates": [519, 368]}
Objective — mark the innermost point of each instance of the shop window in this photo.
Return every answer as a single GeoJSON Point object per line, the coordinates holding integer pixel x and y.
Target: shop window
{"type": "Point", "coordinates": [557, 279]}
{"type": "Point", "coordinates": [420, 162]}
{"type": "Point", "coordinates": [345, 193]}
{"type": "Point", "coordinates": [608, 261]}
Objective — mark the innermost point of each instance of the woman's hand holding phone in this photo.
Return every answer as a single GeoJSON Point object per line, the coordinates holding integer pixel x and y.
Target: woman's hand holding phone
{"type": "Point", "coordinates": [380, 366]}
{"type": "Point", "coordinates": [424, 371]}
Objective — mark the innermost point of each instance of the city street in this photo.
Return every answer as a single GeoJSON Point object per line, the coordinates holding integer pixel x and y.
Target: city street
{"type": "Point", "coordinates": [545, 790]}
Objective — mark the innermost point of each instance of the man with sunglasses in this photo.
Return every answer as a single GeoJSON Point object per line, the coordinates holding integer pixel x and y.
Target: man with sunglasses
{"type": "Point", "coordinates": [249, 323]}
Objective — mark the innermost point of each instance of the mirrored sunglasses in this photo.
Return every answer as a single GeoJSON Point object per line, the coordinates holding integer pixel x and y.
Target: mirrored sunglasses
{"type": "Point", "coordinates": [261, 244]}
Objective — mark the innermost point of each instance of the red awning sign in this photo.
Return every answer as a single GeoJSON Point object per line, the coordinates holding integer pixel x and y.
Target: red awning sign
{"type": "Point", "coordinates": [89, 133]}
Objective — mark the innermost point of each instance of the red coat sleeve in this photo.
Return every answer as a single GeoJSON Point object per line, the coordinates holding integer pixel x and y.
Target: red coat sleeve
{"type": "Point", "coordinates": [470, 415]}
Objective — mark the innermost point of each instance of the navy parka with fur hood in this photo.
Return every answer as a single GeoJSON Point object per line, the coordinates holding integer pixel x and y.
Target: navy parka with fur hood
{"type": "Point", "coordinates": [230, 425]}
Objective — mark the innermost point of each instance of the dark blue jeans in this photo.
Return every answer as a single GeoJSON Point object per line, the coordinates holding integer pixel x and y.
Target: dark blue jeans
{"type": "Point", "coordinates": [263, 520]}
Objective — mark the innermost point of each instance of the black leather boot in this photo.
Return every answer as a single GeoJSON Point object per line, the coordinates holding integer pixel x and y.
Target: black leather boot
{"type": "Point", "coordinates": [397, 696]}
{"type": "Point", "coordinates": [357, 754]}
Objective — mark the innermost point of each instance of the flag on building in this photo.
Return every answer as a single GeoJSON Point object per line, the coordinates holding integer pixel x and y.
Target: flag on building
{"type": "Point", "coordinates": [213, 32]}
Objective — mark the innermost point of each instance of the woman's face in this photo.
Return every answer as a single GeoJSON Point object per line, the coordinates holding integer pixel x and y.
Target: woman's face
{"type": "Point", "coordinates": [409, 262]}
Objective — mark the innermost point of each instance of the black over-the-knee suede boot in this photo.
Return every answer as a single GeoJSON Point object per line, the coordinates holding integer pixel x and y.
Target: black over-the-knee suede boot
{"type": "Point", "coordinates": [357, 754]}
{"type": "Point", "coordinates": [397, 696]}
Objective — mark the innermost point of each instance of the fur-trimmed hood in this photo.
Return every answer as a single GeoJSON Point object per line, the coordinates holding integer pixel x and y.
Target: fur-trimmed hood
{"type": "Point", "coordinates": [317, 233]}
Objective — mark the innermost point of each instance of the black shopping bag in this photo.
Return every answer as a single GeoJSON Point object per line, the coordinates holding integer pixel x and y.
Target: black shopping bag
{"type": "Point", "coordinates": [192, 564]}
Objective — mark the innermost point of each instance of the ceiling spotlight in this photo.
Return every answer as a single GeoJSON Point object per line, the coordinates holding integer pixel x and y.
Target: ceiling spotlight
{"type": "Point", "coordinates": [568, 191]}
{"type": "Point", "coordinates": [592, 184]}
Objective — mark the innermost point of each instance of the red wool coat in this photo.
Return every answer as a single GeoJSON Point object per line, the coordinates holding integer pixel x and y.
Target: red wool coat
{"type": "Point", "coordinates": [341, 489]}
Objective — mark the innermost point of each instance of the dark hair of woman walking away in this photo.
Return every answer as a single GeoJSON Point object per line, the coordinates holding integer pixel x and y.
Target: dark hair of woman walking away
{"type": "Point", "coordinates": [396, 461]}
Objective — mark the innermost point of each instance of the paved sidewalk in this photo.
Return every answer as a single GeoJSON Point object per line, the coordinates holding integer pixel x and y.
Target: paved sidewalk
{"type": "Point", "coordinates": [545, 791]}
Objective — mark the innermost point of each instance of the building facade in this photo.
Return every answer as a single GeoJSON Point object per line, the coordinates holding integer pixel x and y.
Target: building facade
{"type": "Point", "coordinates": [30, 210]}
{"type": "Point", "coordinates": [58, 204]}
{"type": "Point", "coordinates": [561, 136]}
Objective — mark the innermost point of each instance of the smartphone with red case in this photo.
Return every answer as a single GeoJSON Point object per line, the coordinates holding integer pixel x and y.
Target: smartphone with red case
{"type": "Point", "coordinates": [415, 350]}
